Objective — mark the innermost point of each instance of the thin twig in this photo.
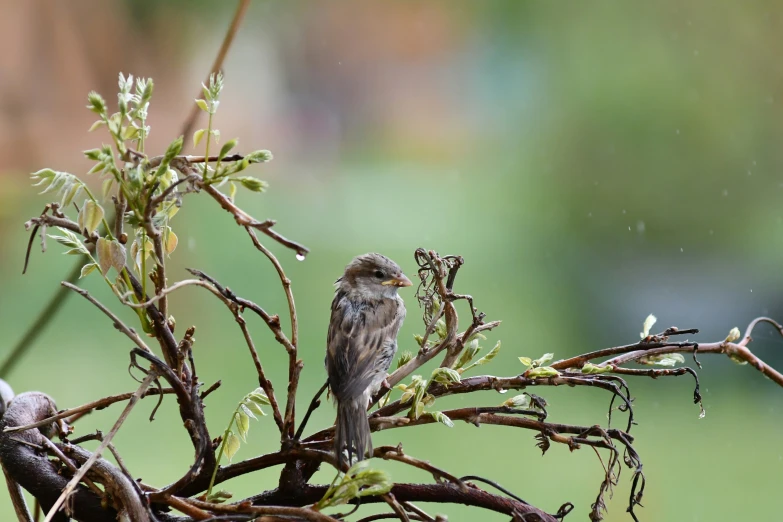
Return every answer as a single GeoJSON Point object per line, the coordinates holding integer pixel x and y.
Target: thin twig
{"type": "Point", "coordinates": [151, 376]}
{"type": "Point", "coordinates": [118, 324]}
{"type": "Point", "coordinates": [217, 65]}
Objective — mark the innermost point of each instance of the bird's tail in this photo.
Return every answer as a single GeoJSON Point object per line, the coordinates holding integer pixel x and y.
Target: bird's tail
{"type": "Point", "coordinates": [352, 430]}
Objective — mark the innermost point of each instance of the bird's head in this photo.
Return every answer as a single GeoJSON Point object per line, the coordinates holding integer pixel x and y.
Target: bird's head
{"type": "Point", "coordinates": [373, 276]}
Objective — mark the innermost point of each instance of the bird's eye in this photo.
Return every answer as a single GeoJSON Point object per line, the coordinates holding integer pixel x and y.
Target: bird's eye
{"type": "Point", "coordinates": [379, 274]}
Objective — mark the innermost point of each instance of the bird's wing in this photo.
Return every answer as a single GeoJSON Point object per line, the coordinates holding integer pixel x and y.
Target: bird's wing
{"type": "Point", "coordinates": [361, 342]}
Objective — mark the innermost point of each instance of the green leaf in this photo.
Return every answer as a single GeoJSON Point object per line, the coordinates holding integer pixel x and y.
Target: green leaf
{"type": "Point", "coordinates": [243, 424]}
{"type": "Point", "coordinates": [442, 418]}
{"type": "Point", "coordinates": [103, 249]}
{"type": "Point", "coordinates": [471, 350]}
{"type": "Point", "coordinates": [70, 240]}
{"type": "Point", "coordinates": [445, 376]}
{"type": "Point", "coordinates": [226, 148]}
{"type": "Point", "coordinates": [541, 361]}
{"type": "Point", "coordinates": [518, 401]}
{"type": "Point", "coordinates": [648, 323]}
{"type": "Point", "coordinates": [90, 216]}
{"type": "Point", "coordinates": [259, 397]}
{"type": "Point", "coordinates": [247, 410]}
{"type": "Point", "coordinates": [543, 371]}
{"type": "Point", "coordinates": [232, 191]}
{"type": "Point", "coordinates": [259, 156]}
{"type": "Point", "coordinates": [592, 369]}
{"type": "Point", "coordinates": [527, 361]}
{"type": "Point", "coordinates": [202, 104]}
{"type": "Point", "coordinates": [231, 445]}
{"type": "Point", "coordinates": [667, 359]}
{"type": "Point", "coordinates": [96, 103]}
{"type": "Point", "coordinates": [87, 269]}
{"type": "Point", "coordinates": [251, 183]}
{"type": "Point", "coordinates": [255, 407]}
{"type": "Point", "coordinates": [484, 360]}
{"type": "Point", "coordinates": [197, 136]}
{"type": "Point", "coordinates": [441, 329]}
{"type": "Point", "coordinates": [734, 334]}
{"type": "Point", "coordinates": [170, 240]}
{"type": "Point", "coordinates": [405, 358]}
{"type": "Point", "coordinates": [117, 255]}
{"type": "Point", "coordinates": [96, 125]}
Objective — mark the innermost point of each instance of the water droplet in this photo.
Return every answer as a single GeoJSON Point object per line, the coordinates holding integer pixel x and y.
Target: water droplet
{"type": "Point", "coordinates": [629, 229]}
{"type": "Point", "coordinates": [682, 249]}
{"type": "Point", "coordinates": [589, 214]}
{"type": "Point", "coordinates": [749, 173]}
{"type": "Point", "coordinates": [712, 232]}
{"type": "Point", "coordinates": [678, 131]}
{"type": "Point", "coordinates": [623, 211]}
{"type": "Point", "coordinates": [300, 257]}
{"type": "Point", "coordinates": [725, 192]}
{"type": "Point", "coordinates": [751, 290]}
{"type": "Point", "coordinates": [640, 227]}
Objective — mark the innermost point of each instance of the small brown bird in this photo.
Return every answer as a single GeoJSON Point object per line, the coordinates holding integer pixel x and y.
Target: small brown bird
{"type": "Point", "coordinates": [366, 316]}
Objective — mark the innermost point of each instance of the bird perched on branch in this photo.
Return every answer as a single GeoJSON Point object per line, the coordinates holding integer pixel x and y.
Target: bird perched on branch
{"type": "Point", "coordinates": [366, 316]}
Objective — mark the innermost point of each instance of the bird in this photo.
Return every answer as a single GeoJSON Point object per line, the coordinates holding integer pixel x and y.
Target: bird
{"type": "Point", "coordinates": [366, 317]}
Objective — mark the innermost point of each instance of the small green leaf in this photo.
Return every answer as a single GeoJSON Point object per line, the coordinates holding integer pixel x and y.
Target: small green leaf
{"type": "Point", "coordinates": [171, 240]}
{"type": "Point", "coordinates": [255, 407]}
{"type": "Point", "coordinates": [90, 216]}
{"type": "Point", "coordinates": [247, 410]}
{"type": "Point", "coordinates": [96, 125]}
{"type": "Point", "coordinates": [243, 424]}
{"type": "Point", "coordinates": [232, 191]}
{"type": "Point", "coordinates": [106, 188]}
{"type": "Point", "coordinates": [70, 240]}
{"type": "Point", "coordinates": [197, 136]}
{"type": "Point", "coordinates": [541, 361]}
{"type": "Point", "coordinates": [527, 361]}
{"type": "Point", "coordinates": [226, 148]}
{"type": "Point", "coordinates": [251, 183]}
{"type": "Point", "coordinates": [543, 371]}
{"type": "Point", "coordinates": [442, 418]}
{"type": "Point", "coordinates": [441, 329]}
{"type": "Point", "coordinates": [648, 323]}
{"type": "Point", "coordinates": [202, 104]}
{"type": "Point", "coordinates": [445, 376]}
{"type": "Point", "coordinates": [518, 401]}
{"type": "Point", "coordinates": [231, 445]}
{"type": "Point", "coordinates": [117, 255]}
{"type": "Point", "coordinates": [405, 358]}
{"type": "Point", "coordinates": [86, 269]}
{"type": "Point", "coordinates": [96, 103]}
{"type": "Point", "coordinates": [592, 369]}
{"type": "Point", "coordinates": [734, 334]}
{"type": "Point", "coordinates": [103, 249]}
{"type": "Point", "coordinates": [667, 359]}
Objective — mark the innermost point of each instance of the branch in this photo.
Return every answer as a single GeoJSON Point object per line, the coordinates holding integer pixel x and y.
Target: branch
{"type": "Point", "coordinates": [117, 323]}
{"type": "Point", "coordinates": [102, 446]}
{"type": "Point", "coordinates": [228, 39]}
{"type": "Point", "coordinates": [94, 405]}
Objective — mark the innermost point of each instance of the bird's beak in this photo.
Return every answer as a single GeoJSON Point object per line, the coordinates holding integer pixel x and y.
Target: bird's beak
{"type": "Point", "coordinates": [400, 280]}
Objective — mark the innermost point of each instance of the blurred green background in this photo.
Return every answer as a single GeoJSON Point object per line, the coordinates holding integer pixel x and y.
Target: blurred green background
{"type": "Point", "coordinates": [592, 161]}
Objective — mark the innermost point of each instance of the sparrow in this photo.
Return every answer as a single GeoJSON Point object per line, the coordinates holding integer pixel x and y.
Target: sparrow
{"type": "Point", "coordinates": [366, 317]}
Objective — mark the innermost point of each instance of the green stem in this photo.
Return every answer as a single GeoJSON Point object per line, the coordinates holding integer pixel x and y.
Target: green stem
{"type": "Point", "coordinates": [209, 138]}
{"type": "Point", "coordinates": [220, 454]}
{"type": "Point", "coordinates": [144, 262]}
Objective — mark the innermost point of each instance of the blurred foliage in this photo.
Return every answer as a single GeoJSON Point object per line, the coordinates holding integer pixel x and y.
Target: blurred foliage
{"type": "Point", "coordinates": [593, 163]}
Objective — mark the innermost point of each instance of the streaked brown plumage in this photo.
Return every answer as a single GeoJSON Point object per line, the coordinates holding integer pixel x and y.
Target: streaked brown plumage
{"type": "Point", "coordinates": [366, 317]}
